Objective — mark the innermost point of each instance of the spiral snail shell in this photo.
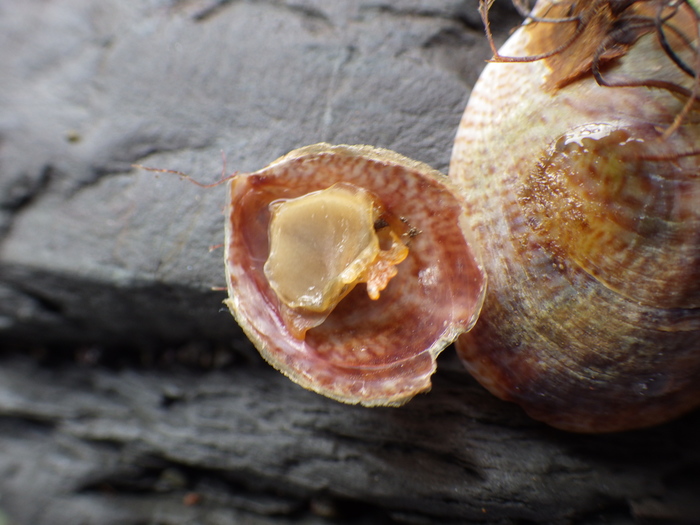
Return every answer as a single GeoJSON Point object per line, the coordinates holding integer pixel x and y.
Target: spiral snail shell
{"type": "Point", "coordinates": [574, 186]}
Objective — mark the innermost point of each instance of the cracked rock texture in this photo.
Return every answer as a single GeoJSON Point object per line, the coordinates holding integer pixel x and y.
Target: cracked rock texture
{"type": "Point", "coordinates": [127, 394]}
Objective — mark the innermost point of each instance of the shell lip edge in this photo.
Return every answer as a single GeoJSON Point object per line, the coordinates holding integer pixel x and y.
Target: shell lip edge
{"type": "Point", "coordinates": [418, 384]}
{"type": "Point", "coordinates": [374, 153]}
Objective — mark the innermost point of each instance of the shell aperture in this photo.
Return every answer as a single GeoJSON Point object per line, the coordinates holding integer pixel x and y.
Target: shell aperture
{"type": "Point", "coordinates": [374, 343]}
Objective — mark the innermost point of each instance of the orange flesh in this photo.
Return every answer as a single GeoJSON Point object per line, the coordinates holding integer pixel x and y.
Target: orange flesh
{"type": "Point", "coordinates": [321, 246]}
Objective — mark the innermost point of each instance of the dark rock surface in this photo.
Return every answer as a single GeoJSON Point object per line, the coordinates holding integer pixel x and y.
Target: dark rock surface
{"type": "Point", "coordinates": [128, 396]}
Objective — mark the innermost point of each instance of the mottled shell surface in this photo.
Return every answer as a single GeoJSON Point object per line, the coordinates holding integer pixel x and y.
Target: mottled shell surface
{"type": "Point", "coordinates": [587, 218]}
{"type": "Point", "coordinates": [373, 352]}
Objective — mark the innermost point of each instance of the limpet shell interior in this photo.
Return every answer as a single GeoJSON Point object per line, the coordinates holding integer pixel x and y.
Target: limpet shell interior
{"type": "Point", "coordinates": [373, 352]}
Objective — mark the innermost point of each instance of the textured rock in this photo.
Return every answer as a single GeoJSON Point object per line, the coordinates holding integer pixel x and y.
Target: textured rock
{"type": "Point", "coordinates": [127, 395]}
{"type": "Point", "coordinates": [88, 89]}
{"type": "Point", "coordinates": [98, 445]}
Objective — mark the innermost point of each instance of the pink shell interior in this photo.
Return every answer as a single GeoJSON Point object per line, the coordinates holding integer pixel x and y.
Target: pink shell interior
{"type": "Point", "coordinates": [371, 352]}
